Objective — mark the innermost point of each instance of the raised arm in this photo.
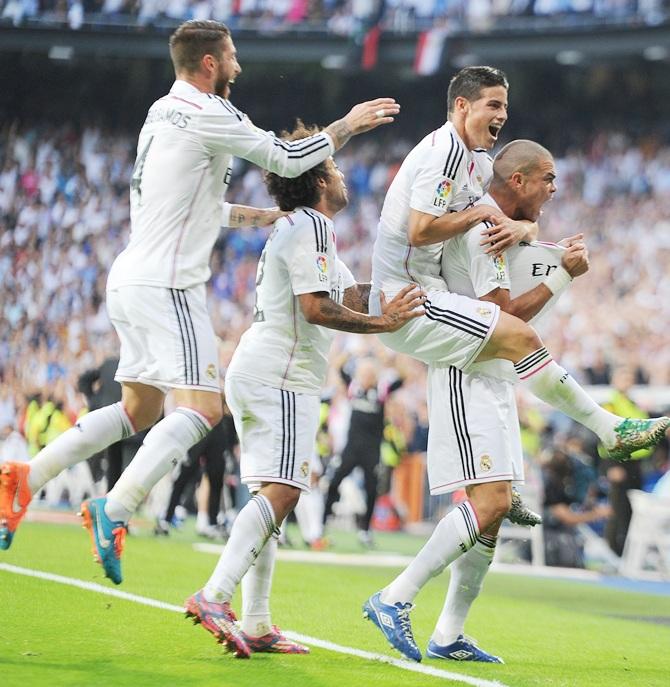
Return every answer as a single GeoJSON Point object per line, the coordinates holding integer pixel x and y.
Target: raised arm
{"type": "Point", "coordinates": [241, 216]}
{"type": "Point", "coordinates": [226, 128]}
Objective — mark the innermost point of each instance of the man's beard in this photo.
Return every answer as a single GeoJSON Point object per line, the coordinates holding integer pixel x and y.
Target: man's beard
{"type": "Point", "coordinates": [221, 88]}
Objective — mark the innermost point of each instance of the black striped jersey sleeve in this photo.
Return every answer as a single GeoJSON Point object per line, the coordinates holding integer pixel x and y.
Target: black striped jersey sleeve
{"type": "Point", "coordinates": [436, 178]}
{"type": "Point", "coordinates": [224, 128]}
{"type": "Point", "coordinates": [309, 253]}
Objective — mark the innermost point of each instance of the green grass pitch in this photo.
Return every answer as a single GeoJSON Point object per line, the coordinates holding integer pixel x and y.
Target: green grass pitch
{"type": "Point", "coordinates": [550, 633]}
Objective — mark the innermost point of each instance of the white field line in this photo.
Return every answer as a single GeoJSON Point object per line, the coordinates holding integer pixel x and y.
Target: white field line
{"type": "Point", "coordinates": [314, 641]}
{"type": "Point", "coordinates": [400, 561]}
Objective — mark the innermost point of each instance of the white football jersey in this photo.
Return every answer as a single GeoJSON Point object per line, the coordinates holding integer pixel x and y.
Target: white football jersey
{"type": "Point", "coordinates": [281, 349]}
{"type": "Point", "coordinates": [468, 270]}
{"type": "Point", "coordinates": [439, 175]}
{"type": "Point", "coordinates": [181, 173]}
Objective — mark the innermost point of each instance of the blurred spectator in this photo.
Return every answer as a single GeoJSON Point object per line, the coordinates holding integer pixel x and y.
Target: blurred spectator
{"type": "Point", "coordinates": [563, 511]}
{"type": "Point", "coordinates": [622, 476]}
{"type": "Point", "coordinates": [344, 17]}
{"type": "Point", "coordinates": [368, 395]}
{"type": "Point", "coordinates": [101, 389]}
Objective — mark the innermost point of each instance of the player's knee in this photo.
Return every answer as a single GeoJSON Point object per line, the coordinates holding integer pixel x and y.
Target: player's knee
{"type": "Point", "coordinates": [491, 501]}
{"type": "Point", "coordinates": [211, 409]}
{"type": "Point", "coordinates": [141, 416]}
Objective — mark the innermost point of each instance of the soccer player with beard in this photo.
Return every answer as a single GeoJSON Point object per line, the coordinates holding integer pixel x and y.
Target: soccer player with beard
{"type": "Point", "coordinates": [273, 386]}
{"type": "Point", "coordinates": [156, 286]}
{"type": "Point", "coordinates": [434, 198]}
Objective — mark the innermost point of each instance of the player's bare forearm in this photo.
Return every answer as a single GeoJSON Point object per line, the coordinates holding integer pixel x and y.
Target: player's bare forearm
{"type": "Point", "coordinates": [425, 229]}
{"type": "Point", "coordinates": [245, 216]}
{"type": "Point", "coordinates": [329, 313]}
{"type": "Point", "coordinates": [525, 306]}
{"type": "Point", "coordinates": [319, 308]}
{"type": "Point", "coordinates": [529, 304]}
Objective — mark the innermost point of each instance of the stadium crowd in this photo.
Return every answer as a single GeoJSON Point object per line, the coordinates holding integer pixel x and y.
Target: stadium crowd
{"type": "Point", "coordinates": [64, 215]}
{"type": "Point", "coordinates": [344, 17]}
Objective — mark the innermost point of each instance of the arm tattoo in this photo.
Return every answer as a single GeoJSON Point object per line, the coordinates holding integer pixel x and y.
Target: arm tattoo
{"type": "Point", "coordinates": [352, 299]}
{"type": "Point", "coordinates": [237, 217]}
{"type": "Point", "coordinates": [356, 298]}
{"type": "Point", "coordinates": [364, 292]}
{"type": "Point", "coordinates": [340, 133]}
{"type": "Point", "coordinates": [336, 316]}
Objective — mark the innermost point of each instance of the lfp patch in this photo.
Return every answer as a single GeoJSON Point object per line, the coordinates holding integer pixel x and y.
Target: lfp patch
{"type": "Point", "coordinates": [500, 267]}
{"type": "Point", "coordinates": [442, 193]}
{"type": "Point", "coordinates": [322, 266]}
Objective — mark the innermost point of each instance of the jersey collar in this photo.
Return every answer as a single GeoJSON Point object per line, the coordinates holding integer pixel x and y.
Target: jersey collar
{"type": "Point", "coordinates": [180, 87]}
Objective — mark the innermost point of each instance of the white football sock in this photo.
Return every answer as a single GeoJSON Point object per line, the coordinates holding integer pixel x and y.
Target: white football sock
{"type": "Point", "coordinates": [163, 447]}
{"type": "Point", "coordinates": [92, 433]}
{"type": "Point", "coordinates": [256, 586]}
{"type": "Point", "coordinates": [551, 383]}
{"type": "Point", "coordinates": [252, 528]}
{"type": "Point", "coordinates": [454, 535]}
{"type": "Point", "coordinates": [309, 515]}
{"type": "Point", "coordinates": [465, 584]}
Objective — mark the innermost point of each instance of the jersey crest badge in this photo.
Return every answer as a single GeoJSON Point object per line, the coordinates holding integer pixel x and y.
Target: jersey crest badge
{"type": "Point", "coordinates": [304, 468]}
{"type": "Point", "coordinates": [485, 463]}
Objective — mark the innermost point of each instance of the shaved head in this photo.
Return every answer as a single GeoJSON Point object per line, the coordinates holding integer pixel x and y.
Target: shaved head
{"type": "Point", "coordinates": [519, 156]}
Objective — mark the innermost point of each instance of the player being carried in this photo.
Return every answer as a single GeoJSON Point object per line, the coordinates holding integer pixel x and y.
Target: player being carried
{"type": "Point", "coordinates": [273, 385]}
{"type": "Point", "coordinates": [432, 199]}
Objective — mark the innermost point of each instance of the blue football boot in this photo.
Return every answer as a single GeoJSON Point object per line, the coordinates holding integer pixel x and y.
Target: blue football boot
{"type": "Point", "coordinates": [393, 621]}
{"type": "Point", "coordinates": [463, 649]}
{"type": "Point", "coordinates": [107, 537]}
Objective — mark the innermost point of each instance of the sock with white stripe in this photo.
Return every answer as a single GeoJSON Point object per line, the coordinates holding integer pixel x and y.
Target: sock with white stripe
{"type": "Point", "coordinates": [256, 585]}
{"type": "Point", "coordinates": [163, 447]}
{"type": "Point", "coordinates": [467, 577]}
{"type": "Point", "coordinates": [552, 384]}
{"type": "Point", "coordinates": [252, 528]}
{"type": "Point", "coordinates": [455, 534]}
{"type": "Point", "coordinates": [92, 433]}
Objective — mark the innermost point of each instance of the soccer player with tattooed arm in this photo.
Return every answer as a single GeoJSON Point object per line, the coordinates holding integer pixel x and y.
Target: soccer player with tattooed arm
{"type": "Point", "coordinates": [156, 286]}
{"type": "Point", "coordinates": [304, 294]}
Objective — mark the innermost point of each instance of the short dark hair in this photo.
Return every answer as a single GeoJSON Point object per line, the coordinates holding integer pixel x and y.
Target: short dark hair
{"type": "Point", "coordinates": [193, 40]}
{"type": "Point", "coordinates": [302, 190]}
{"type": "Point", "coordinates": [469, 82]}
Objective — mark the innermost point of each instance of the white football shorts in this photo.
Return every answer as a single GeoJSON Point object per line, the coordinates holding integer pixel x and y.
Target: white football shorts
{"type": "Point", "coordinates": [473, 432]}
{"type": "Point", "coordinates": [453, 331]}
{"type": "Point", "coordinates": [277, 432]}
{"type": "Point", "coordinates": [167, 338]}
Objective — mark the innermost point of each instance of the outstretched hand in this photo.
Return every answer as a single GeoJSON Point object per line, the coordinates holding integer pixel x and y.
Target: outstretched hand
{"type": "Point", "coordinates": [366, 116]}
{"type": "Point", "coordinates": [407, 304]}
{"type": "Point", "coordinates": [362, 117]}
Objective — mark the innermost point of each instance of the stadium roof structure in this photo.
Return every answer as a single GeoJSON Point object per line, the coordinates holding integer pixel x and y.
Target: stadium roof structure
{"type": "Point", "coordinates": [567, 44]}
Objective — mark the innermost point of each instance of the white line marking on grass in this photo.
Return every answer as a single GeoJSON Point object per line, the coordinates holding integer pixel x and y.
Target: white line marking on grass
{"type": "Point", "coordinates": [314, 641]}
